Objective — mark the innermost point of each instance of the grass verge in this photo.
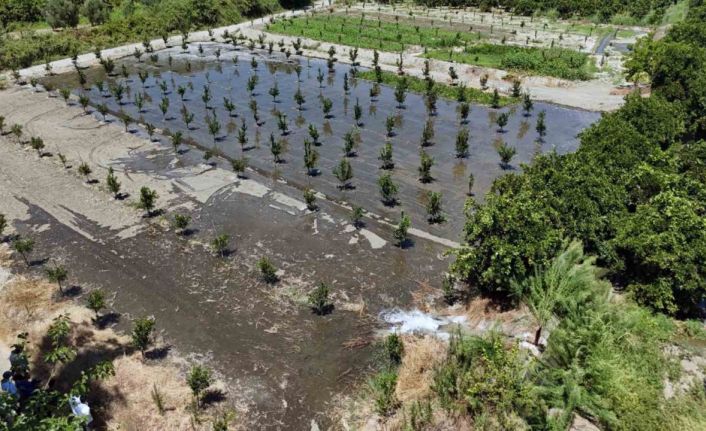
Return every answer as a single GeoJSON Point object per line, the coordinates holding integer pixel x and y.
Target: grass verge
{"type": "Point", "coordinates": [371, 34]}
{"type": "Point", "coordinates": [473, 95]}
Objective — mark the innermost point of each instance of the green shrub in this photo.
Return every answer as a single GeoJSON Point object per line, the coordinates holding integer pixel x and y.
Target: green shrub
{"type": "Point", "coordinates": [558, 62]}
{"type": "Point", "coordinates": [61, 13]}
{"type": "Point", "coordinates": [97, 11]}
{"type": "Point", "coordinates": [394, 349]}
{"type": "Point", "coordinates": [383, 387]}
{"type": "Point", "coordinates": [21, 11]}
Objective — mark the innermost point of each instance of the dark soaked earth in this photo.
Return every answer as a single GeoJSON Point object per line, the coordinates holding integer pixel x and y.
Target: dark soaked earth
{"type": "Point", "coordinates": [285, 363]}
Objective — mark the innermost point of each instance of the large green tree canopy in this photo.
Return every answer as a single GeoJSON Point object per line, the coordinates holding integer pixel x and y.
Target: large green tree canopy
{"type": "Point", "coordinates": [634, 193]}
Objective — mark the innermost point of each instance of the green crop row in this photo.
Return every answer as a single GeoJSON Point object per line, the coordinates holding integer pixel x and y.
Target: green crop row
{"type": "Point", "coordinates": [557, 62]}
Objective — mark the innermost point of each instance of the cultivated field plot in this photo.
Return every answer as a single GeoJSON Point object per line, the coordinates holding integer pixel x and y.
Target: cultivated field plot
{"type": "Point", "coordinates": [240, 135]}
{"type": "Point", "coordinates": [535, 46]}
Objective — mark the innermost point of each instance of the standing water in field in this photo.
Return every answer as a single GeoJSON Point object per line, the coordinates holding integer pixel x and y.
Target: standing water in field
{"type": "Point", "coordinates": [196, 86]}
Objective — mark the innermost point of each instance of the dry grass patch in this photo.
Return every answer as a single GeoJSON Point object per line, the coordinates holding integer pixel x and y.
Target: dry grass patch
{"type": "Point", "coordinates": [416, 373]}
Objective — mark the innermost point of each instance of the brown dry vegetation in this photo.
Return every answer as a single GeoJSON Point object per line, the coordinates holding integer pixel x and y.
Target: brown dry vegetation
{"type": "Point", "coordinates": [422, 355]}
{"type": "Point", "coordinates": [123, 401]}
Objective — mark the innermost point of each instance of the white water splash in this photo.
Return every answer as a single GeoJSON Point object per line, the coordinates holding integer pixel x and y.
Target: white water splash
{"type": "Point", "coordinates": [416, 321]}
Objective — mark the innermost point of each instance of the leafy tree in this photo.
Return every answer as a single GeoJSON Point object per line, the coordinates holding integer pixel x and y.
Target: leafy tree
{"type": "Point", "coordinates": [310, 199]}
{"type": "Point", "coordinates": [299, 98]}
{"type": "Point", "coordinates": [425, 164]}
{"type": "Point", "coordinates": [181, 223]}
{"type": "Point", "coordinates": [462, 143]}
{"type": "Point", "coordinates": [199, 379]}
{"type": "Point", "coordinates": [97, 11]}
{"type": "Point", "coordinates": [386, 156]}
{"type": "Point", "coordinates": [394, 349]}
{"type": "Point", "coordinates": [282, 123]}
{"type": "Point", "coordinates": [23, 247]}
{"type": "Point", "coordinates": [400, 232]}
{"type": "Point", "coordinates": [83, 100]}
{"type": "Point", "coordinates": [141, 334]}
{"type": "Point", "coordinates": [661, 244]}
{"type": "Point", "coordinates": [251, 84]}
{"type": "Point", "coordinates": [401, 92]}
{"type": "Point", "coordinates": [214, 126]}
{"type": "Point", "coordinates": [239, 166]}
{"type": "Point", "coordinates": [176, 140]}
{"type": "Point", "coordinates": [388, 189]}
{"type": "Point", "coordinates": [61, 13]}
{"type": "Point", "coordinates": [311, 156]}
{"type": "Point", "coordinates": [516, 88]}
{"type": "Point", "coordinates": [139, 102]}
{"type": "Point", "coordinates": [357, 113]}
{"type": "Point", "coordinates": [229, 106]}
{"type": "Point", "coordinates": [37, 144]}
{"type": "Point", "coordinates": [541, 125]}
{"type": "Point", "coordinates": [274, 92]}
{"type": "Point", "coordinates": [344, 173]}
{"type": "Point", "coordinates": [219, 244]}
{"type": "Point", "coordinates": [502, 121]}
{"type": "Point", "coordinates": [243, 136]}
{"type": "Point", "coordinates": [320, 78]}
{"type": "Point", "coordinates": [471, 180]}
{"type": "Point", "coordinates": [434, 211]}
{"type": "Point", "coordinates": [427, 133]}
{"type": "Point", "coordinates": [319, 299]}
{"type": "Point", "coordinates": [527, 104]}
{"type": "Point", "coordinates": [148, 199]}
{"type": "Point", "coordinates": [125, 119]}
{"type": "Point", "coordinates": [85, 170]}
{"type": "Point", "coordinates": [16, 130]}
{"type": "Point", "coordinates": [495, 100]}
{"type": "Point", "coordinates": [112, 182]}
{"type": "Point", "coordinates": [357, 214]}
{"type": "Point", "coordinates": [58, 274]}
{"type": "Point", "coordinates": [186, 116]}
{"type": "Point", "coordinates": [314, 135]}
{"type": "Point", "coordinates": [267, 270]}
{"type": "Point", "coordinates": [506, 153]}
{"type": "Point", "coordinates": [275, 148]}
{"type": "Point", "coordinates": [95, 301]}
{"type": "Point", "coordinates": [349, 144]}
{"type": "Point", "coordinates": [164, 107]}
{"type": "Point", "coordinates": [390, 126]}
{"type": "Point", "coordinates": [550, 292]}
{"type": "Point", "coordinates": [326, 105]}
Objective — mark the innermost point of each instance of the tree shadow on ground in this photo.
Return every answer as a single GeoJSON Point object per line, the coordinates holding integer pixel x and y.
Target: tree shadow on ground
{"type": "Point", "coordinates": [72, 291]}
{"type": "Point", "coordinates": [212, 396]}
{"type": "Point", "coordinates": [107, 319]}
{"type": "Point", "coordinates": [158, 352]}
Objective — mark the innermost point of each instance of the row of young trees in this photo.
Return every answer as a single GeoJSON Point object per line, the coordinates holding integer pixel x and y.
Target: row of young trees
{"type": "Point", "coordinates": [343, 171]}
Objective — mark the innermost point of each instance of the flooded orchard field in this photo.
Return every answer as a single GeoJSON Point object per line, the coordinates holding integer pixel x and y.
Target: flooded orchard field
{"type": "Point", "coordinates": [286, 365]}
{"type": "Point", "coordinates": [200, 67]}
